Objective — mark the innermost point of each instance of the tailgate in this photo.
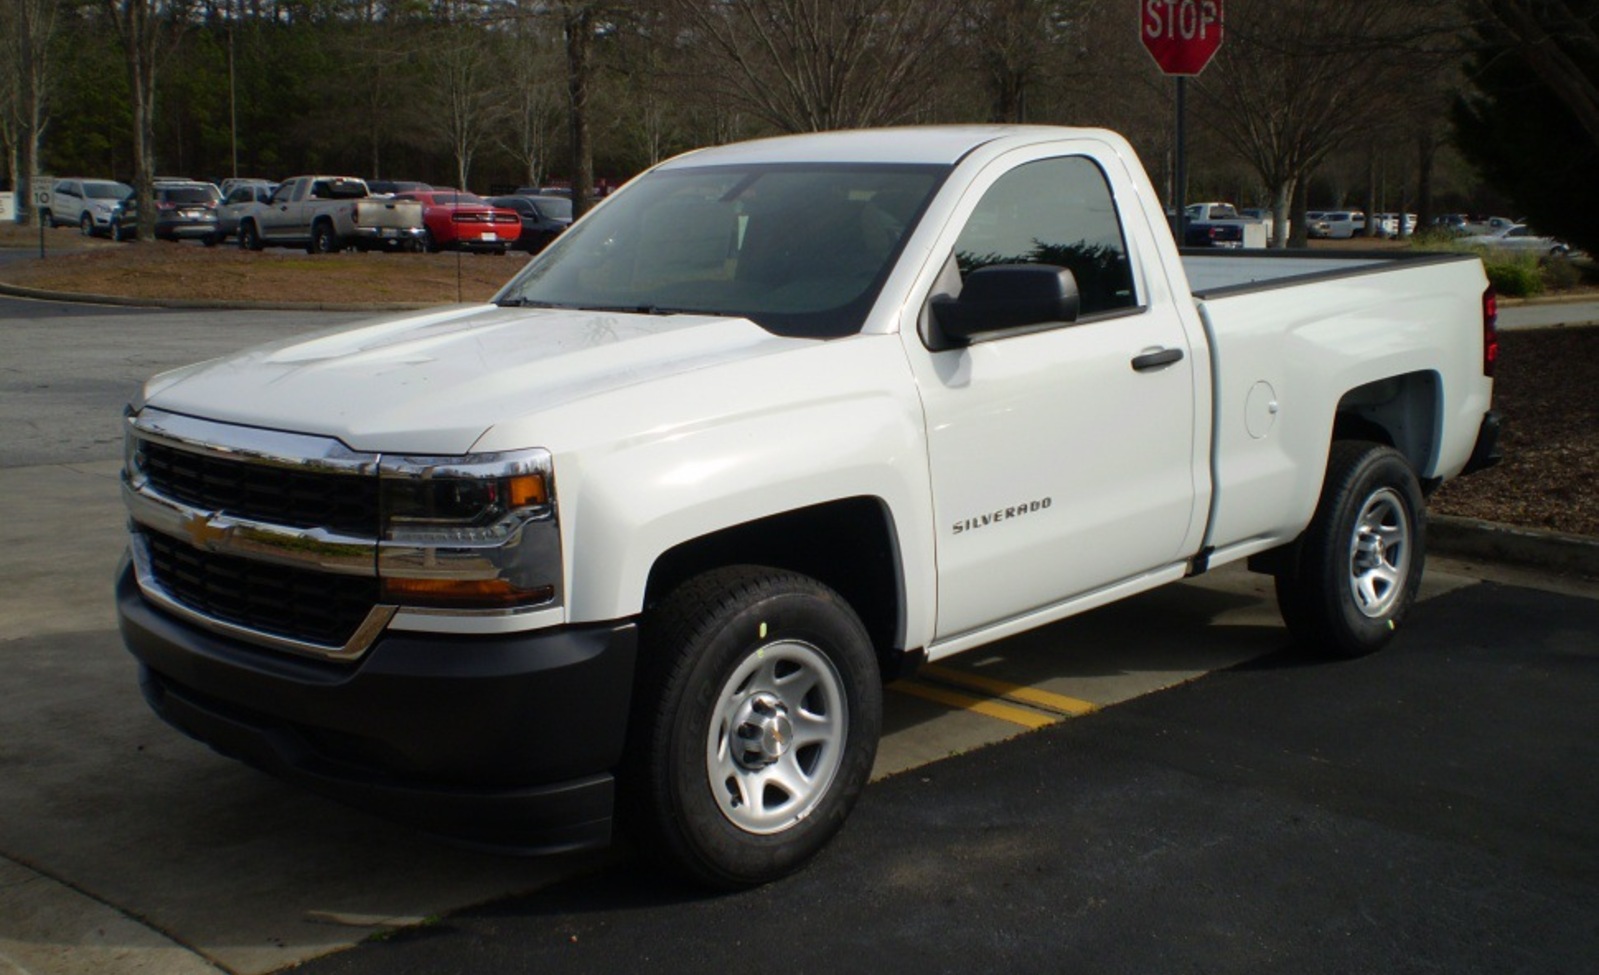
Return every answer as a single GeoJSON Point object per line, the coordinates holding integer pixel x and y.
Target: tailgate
{"type": "Point", "coordinates": [389, 213]}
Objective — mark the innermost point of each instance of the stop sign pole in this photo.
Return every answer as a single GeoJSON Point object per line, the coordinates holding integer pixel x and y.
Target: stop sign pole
{"type": "Point", "coordinates": [1182, 36]}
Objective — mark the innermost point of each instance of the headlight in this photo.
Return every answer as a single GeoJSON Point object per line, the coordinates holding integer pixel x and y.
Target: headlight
{"type": "Point", "coordinates": [469, 533]}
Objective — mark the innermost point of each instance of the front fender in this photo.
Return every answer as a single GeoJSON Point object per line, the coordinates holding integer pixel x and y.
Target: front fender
{"type": "Point", "coordinates": [733, 445]}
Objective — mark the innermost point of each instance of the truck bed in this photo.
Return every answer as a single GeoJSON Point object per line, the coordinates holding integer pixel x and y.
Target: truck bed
{"type": "Point", "coordinates": [1392, 337]}
{"type": "Point", "coordinates": [1216, 274]}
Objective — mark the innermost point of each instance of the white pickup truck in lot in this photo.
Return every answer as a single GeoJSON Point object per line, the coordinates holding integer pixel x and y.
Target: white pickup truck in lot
{"type": "Point", "coordinates": [642, 539]}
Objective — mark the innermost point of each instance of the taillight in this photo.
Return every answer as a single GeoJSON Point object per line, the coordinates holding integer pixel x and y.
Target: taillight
{"type": "Point", "coordinates": [1490, 331]}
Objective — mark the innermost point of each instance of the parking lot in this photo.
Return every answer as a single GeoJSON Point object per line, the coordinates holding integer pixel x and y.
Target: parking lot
{"type": "Point", "coordinates": [1423, 809]}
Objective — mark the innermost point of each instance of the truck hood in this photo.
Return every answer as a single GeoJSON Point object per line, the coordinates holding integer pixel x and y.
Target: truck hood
{"type": "Point", "coordinates": [437, 381]}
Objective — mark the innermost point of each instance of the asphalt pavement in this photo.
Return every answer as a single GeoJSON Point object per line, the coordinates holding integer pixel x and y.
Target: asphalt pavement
{"type": "Point", "coordinates": [1426, 809]}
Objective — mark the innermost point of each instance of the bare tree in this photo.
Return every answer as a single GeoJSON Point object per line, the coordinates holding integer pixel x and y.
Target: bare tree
{"type": "Point", "coordinates": [150, 31]}
{"type": "Point", "coordinates": [28, 26]}
{"type": "Point", "coordinates": [532, 96]}
{"type": "Point", "coordinates": [1560, 43]}
{"type": "Point", "coordinates": [582, 22]}
{"type": "Point", "coordinates": [463, 62]}
{"type": "Point", "coordinates": [1299, 79]}
{"type": "Point", "coordinates": [1017, 47]}
{"type": "Point", "coordinates": [811, 65]}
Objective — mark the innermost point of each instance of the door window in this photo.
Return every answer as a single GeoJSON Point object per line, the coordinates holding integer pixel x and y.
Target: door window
{"type": "Point", "coordinates": [1059, 212]}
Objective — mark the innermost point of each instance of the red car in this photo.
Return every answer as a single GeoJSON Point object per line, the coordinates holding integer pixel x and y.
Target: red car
{"type": "Point", "coordinates": [465, 222]}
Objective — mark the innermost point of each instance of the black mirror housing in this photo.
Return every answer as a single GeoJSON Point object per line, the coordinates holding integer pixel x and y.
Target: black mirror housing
{"type": "Point", "coordinates": [1004, 299]}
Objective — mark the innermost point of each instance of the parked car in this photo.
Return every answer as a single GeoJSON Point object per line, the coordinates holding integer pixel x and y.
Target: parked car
{"type": "Point", "coordinates": [464, 221]}
{"type": "Point", "coordinates": [1228, 235]}
{"type": "Point", "coordinates": [1316, 226]}
{"type": "Point", "coordinates": [1344, 224]}
{"type": "Point", "coordinates": [240, 198]}
{"type": "Point", "coordinates": [1394, 225]}
{"type": "Point", "coordinates": [1519, 238]}
{"type": "Point", "coordinates": [229, 185]}
{"type": "Point", "coordinates": [185, 211]}
{"type": "Point", "coordinates": [94, 206]}
{"type": "Point", "coordinates": [561, 191]}
{"type": "Point", "coordinates": [543, 218]}
{"type": "Point", "coordinates": [1480, 225]}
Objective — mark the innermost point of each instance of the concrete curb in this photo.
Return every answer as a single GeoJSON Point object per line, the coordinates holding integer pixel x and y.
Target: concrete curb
{"type": "Point", "coordinates": [39, 294]}
{"type": "Point", "coordinates": [1510, 544]}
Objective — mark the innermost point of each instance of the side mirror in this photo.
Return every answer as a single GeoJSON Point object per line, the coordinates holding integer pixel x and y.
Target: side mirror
{"type": "Point", "coordinates": [1005, 299]}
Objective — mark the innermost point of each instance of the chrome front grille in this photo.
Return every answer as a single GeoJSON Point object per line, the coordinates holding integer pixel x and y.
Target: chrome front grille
{"type": "Point", "coordinates": [264, 536]}
{"type": "Point", "coordinates": [303, 606]}
{"type": "Point", "coordinates": [343, 502]}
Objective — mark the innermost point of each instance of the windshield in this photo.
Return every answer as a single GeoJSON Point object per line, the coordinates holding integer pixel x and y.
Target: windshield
{"type": "Point", "coordinates": [799, 249]}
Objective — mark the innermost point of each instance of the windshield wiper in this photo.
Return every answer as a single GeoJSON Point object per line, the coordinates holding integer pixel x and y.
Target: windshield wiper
{"type": "Point", "coordinates": [528, 303]}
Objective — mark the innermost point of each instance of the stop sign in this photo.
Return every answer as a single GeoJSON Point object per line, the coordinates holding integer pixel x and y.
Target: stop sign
{"type": "Point", "coordinates": [1182, 35]}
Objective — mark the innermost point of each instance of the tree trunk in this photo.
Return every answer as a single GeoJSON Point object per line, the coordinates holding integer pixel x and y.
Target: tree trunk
{"type": "Point", "coordinates": [579, 28]}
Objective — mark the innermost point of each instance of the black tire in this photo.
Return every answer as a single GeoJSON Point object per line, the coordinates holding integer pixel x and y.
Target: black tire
{"type": "Point", "coordinates": [86, 225]}
{"type": "Point", "coordinates": [249, 236]}
{"type": "Point", "coordinates": [211, 240]}
{"type": "Point", "coordinates": [429, 244]}
{"type": "Point", "coordinates": [1356, 569]}
{"type": "Point", "coordinates": [758, 709]}
{"type": "Point", "coordinates": [323, 239]}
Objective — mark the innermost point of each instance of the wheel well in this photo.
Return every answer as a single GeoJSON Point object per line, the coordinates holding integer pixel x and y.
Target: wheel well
{"type": "Point", "coordinates": [848, 545]}
{"type": "Point", "coordinates": [1400, 411]}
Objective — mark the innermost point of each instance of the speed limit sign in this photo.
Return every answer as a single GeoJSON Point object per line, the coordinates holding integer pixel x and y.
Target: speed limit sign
{"type": "Point", "coordinates": [41, 198]}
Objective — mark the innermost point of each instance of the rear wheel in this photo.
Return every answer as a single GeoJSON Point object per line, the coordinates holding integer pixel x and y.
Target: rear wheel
{"type": "Point", "coordinates": [323, 239]}
{"type": "Point", "coordinates": [1359, 563]}
{"type": "Point", "coordinates": [760, 708]}
{"type": "Point", "coordinates": [249, 236]}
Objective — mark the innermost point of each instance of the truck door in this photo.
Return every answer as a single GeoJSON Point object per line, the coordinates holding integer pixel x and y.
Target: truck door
{"type": "Point", "coordinates": [1063, 457]}
{"type": "Point", "coordinates": [276, 216]}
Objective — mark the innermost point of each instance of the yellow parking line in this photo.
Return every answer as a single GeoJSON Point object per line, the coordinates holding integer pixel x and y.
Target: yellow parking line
{"type": "Point", "coordinates": [1060, 703]}
{"type": "Point", "coordinates": [977, 705]}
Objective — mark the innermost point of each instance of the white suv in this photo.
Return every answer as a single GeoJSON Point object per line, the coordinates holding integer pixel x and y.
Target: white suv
{"type": "Point", "coordinates": [93, 205]}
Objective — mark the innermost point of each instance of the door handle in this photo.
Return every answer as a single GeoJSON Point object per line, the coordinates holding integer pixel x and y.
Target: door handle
{"type": "Point", "coordinates": [1156, 360]}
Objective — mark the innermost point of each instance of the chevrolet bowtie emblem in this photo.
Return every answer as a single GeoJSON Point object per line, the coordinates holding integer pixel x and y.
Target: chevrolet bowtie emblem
{"type": "Point", "coordinates": [202, 532]}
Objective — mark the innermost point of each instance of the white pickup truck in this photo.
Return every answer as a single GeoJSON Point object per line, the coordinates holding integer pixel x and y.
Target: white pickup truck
{"type": "Point", "coordinates": [644, 537]}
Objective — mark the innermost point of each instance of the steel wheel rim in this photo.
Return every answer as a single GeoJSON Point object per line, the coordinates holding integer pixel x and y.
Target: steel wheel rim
{"type": "Point", "coordinates": [1379, 553]}
{"type": "Point", "coordinates": [777, 735]}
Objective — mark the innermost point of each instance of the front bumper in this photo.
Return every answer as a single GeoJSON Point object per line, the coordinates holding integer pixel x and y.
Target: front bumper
{"type": "Point", "coordinates": [506, 741]}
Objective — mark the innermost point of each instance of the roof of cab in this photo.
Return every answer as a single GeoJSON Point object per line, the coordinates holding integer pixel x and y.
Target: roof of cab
{"type": "Point", "coordinates": [934, 144]}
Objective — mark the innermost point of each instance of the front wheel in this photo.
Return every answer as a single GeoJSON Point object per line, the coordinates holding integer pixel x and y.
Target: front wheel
{"type": "Point", "coordinates": [86, 225]}
{"type": "Point", "coordinates": [762, 706]}
{"type": "Point", "coordinates": [1359, 563]}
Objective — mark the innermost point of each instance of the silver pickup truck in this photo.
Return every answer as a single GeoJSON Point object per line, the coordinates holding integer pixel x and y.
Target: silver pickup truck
{"type": "Point", "coordinates": [326, 214]}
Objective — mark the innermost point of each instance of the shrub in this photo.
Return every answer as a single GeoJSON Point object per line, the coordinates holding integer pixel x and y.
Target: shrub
{"type": "Point", "coordinates": [1560, 274]}
{"type": "Point", "coordinates": [1514, 277]}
